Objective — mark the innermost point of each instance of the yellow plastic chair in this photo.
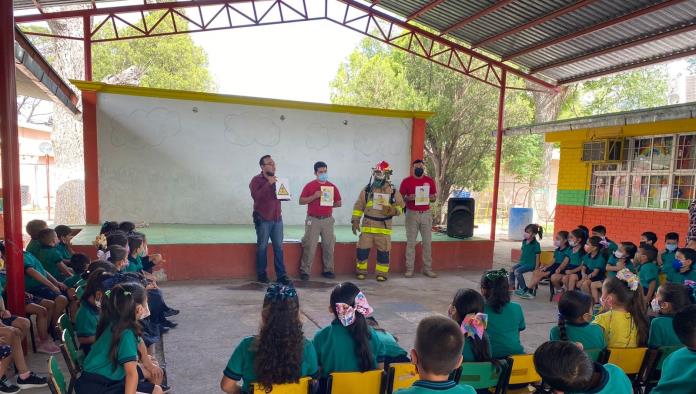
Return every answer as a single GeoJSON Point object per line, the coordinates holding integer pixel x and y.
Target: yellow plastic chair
{"type": "Point", "coordinates": [630, 360]}
{"type": "Point", "coordinates": [522, 372]}
{"type": "Point", "coordinates": [301, 387]}
{"type": "Point", "coordinates": [370, 382]}
{"type": "Point", "coordinates": [546, 257]}
{"type": "Point", "coordinates": [401, 375]}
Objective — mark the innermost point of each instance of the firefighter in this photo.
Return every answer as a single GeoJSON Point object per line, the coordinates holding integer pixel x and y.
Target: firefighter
{"type": "Point", "coordinates": [377, 204]}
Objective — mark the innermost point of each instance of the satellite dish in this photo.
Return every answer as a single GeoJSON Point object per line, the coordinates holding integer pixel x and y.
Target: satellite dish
{"type": "Point", "coordinates": [46, 148]}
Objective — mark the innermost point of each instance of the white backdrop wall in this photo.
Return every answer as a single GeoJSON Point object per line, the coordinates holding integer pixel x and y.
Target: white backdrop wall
{"type": "Point", "coordinates": [183, 161]}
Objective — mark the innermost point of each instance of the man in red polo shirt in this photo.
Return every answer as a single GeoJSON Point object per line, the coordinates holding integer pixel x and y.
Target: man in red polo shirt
{"type": "Point", "coordinates": [321, 197]}
{"type": "Point", "coordinates": [418, 191]}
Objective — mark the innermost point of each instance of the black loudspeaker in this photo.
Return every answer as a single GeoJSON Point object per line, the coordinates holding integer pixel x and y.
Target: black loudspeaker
{"type": "Point", "coordinates": [460, 217]}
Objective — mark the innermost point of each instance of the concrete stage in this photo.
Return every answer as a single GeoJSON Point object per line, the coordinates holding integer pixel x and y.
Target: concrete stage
{"type": "Point", "coordinates": [228, 251]}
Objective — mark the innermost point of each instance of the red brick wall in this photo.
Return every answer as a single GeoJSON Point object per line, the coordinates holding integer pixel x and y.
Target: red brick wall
{"type": "Point", "coordinates": [623, 224]}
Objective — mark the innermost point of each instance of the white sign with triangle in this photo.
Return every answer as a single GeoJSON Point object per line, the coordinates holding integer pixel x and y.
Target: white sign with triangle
{"type": "Point", "coordinates": [282, 189]}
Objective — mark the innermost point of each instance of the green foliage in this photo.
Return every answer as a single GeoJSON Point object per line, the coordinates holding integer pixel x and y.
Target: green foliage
{"type": "Point", "coordinates": [523, 156]}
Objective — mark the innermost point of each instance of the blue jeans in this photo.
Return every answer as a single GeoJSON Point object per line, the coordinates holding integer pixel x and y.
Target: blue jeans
{"type": "Point", "coordinates": [266, 229]}
{"type": "Point", "coordinates": [518, 271]}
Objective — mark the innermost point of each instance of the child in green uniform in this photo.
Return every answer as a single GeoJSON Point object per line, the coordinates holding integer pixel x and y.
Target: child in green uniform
{"type": "Point", "coordinates": [567, 369]}
{"type": "Point", "coordinates": [78, 263]}
{"type": "Point", "coordinates": [574, 317]}
{"type": "Point", "coordinates": [467, 310]}
{"type": "Point", "coordinates": [42, 284]}
{"type": "Point", "coordinates": [505, 318]}
{"type": "Point", "coordinates": [112, 363]}
{"type": "Point", "coordinates": [64, 246]}
{"type": "Point", "coordinates": [572, 274]}
{"type": "Point", "coordinates": [33, 227]}
{"type": "Point", "coordinates": [670, 299]}
{"type": "Point", "coordinates": [623, 321]}
{"type": "Point", "coordinates": [49, 256]}
{"type": "Point", "coordinates": [529, 260]}
{"type": "Point", "coordinates": [621, 258]}
{"type": "Point", "coordinates": [649, 238]}
{"type": "Point", "coordinates": [279, 353]}
{"type": "Point", "coordinates": [647, 271]}
{"type": "Point", "coordinates": [679, 368]}
{"type": "Point", "coordinates": [594, 267]}
{"type": "Point", "coordinates": [136, 249]}
{"type": "Point", "coordinates": [393, 352]}
{"type": "Point", "coordinates": [348, 344]}
{"type": "Point", "coordinates": [438, 352]}
{"type": "Point", "coordinates": [601, 232]}
{"type": "Point", "coordinates": [683, 266]}
{"type": "Point", "coordinates": [118, 256]}
{"type": "Point", "coordinates": [561, 260]}
{"type": "Point", "coordinates": [667, 257]}
{"type": "Point", "coordinates": [87, 316]}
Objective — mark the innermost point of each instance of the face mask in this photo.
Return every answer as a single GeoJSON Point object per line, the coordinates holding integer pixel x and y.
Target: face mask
{"type": "Point", "coordinates": [418, 172]}
{"type": "Point", "coordinates": [142, 253]}
{"type": "Point", "coordinates": [556, 243]}
{"type": "Point", "coordinates": [618, 254]}
{"type": "Point", "coordinates": [270, 173]}
{"type": "Point", "coordinates": [145, 314]}
{"type": "Point", "coordinates": [323, 177]}
{"type": "Point", "coordinates": [97, 303]}
{"type": "Point", "coordinates": [655, 305]}
{"type": "Point", "coordinates": [378, 182]}
{"type": "Point", "coordinates": [588, 249]}
{"type": "Point", "coordinates": [671, 247]}
{"type": "Point", "coordinates": [677, 264]}
{"type": "Point", "coordinates": [571, 243]}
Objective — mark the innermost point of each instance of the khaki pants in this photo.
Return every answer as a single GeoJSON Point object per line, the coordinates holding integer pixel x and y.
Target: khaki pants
{"type": "Point", "coordinates": [315, 227]}
{"type": "Point", "coordinates": [419, 222]}
{"type": "Point", "coordinates": [383, 244]}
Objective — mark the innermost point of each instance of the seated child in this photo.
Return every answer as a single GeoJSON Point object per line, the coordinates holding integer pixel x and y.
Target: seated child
{"type": "Point", "coordinates": [529, 260]}
{"type": "Point", "coordinates": [679, 368]}
{"type": "Point", "coordinates": [26, 379]}
{"type": "Point", "coordinates": [437, 352]}
{"type": "Point", "coordinates": [505, 318]}
{"type": "Point", "coordinates": [78, 263]}
{"type": "Point", "coordinates": [648, 238]}
{"type": "Point", "coordinates": [118, 256]}
{"type": "Point", "coordinates": [601, 232]}
{"type": "Point", "coordinates": [621, 258]}
{"type": "Point", "coordinates": [112, 363]}
{"type": "Point", "coordinates": [137, 248]}
{"type": "Point", "coordinates": [87, 316]}
{"type": "Point", "coordinates": [624, 322]}
{"type": "Point", "coordinates": [42, 284]}
{"type": "Point", "coordinates": [394, 353]}
{"type": "Point", "coordinates": [682, 266]}
{"type": "Point", "coordinates": [467, 310]}
{"type": "Point", "coordinates": [5, 360]}
{"type": "Point", "coordinates": [279, 353]}
{"type": "Point", "coordinates": [670, 299]}
{"type": "Point", "coordinates": [574, 317]}
{"type": "Point", "coordinates": [127, 227]}
{"type": "Point", "coordinates": [64, 246]}
{"type": "Point", "coordinates": [561, 258]}
{"type": "Point", "coordinates": [594, 267]}
{"type": "Point", "coordinates": [33, 227]}
{"type": "Point", "coordinates": [49, 256]}
{"type": "Point", "coordinates": [667, 257]}
{"type": "Point", "coordinates": [567, 369]}
{"type": "Point", "coordinates": [647, 271]}
{"type": "Point", "coordinates": [572, 274]}
{"type": "Point", "coordinates": [348, 344]}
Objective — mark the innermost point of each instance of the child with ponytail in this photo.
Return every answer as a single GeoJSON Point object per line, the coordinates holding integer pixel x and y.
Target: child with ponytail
{"type": "Point", "coordinates": [623, 321]}
{"type": "Point", "coordinates": [574, 317]}
{"type": "Point", "coordinates": [87, 317]}
{"type": "Point", "coordinates": [467, 310]}
{"type": "Point", "coordinates": [670, 299]}
{"type": "Point", "coordinates": [505, 318]}
{"type": "Point", "coordinates": [529, 260]}
{"type": "Point", "coordinates": [349, 344]}
{"type": "Point", "coordinates": [572, 272]}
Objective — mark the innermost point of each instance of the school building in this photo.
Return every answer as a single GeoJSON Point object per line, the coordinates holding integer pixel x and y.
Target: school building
{"type": "Point", "coordinates": [631, 171]}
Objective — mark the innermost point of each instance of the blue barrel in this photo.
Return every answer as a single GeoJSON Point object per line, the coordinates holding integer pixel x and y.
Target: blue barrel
{"type": "Point", "coordinates": [519, 219]}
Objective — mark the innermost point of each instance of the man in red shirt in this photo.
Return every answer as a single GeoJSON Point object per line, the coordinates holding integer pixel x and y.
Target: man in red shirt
{"type": "Point", "coordinates": [321, 197]}
{"type": "Point", "coordinates": [267, 220]}
{"type": "Point", "coordinates": [419, 191]}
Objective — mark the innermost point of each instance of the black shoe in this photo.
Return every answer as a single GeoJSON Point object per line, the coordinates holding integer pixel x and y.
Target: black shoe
{"type": "Point", "coordinates": [263, 279]}
{"type": "Point", "coordinates": [171, 312]}
{"type": "Point", "coordinates": [304, 276]}
{"type": "Point", "coordinates": [165, 389]}
{"type": "Point", "coordinates": [284, 280]}
{"type": "Point", "coordinates": [7, 387]}
{"type": "Point", "coordinates": [169, 324]}
{"type": "Point", "coordinates": [31, 382]}
{"type": "Point", "coordinates": [328, 275]}
{"type": "Point", "coordinates": [163, 330]}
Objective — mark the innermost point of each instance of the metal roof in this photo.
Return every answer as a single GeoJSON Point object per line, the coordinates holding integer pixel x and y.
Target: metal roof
{"type": "Point", "coordinates": [562, 41]}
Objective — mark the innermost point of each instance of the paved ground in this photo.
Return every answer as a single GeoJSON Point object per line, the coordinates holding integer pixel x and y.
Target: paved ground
{"type": "Point", "coordinates": [216, 315]}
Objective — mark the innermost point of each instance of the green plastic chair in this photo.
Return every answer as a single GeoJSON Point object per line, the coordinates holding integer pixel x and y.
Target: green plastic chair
{"type": "Point", "coordinates": [653, 365]}
{"type": "Point", "coordinates": [64, 323]}
{"type": "Point", "coordinates": [598, 355]}
{"type": "Point", "coordinates": [79, 291]}
{"type": "Point", "coordinates": [56, 380]}
{"type": "Point", "coordinates": [73, 359]}
{"type": "Point", "coordinates": [483, 375]}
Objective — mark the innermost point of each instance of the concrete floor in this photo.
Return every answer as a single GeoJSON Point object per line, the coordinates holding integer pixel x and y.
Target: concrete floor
{"type": "Point", "coordinates": [217, 315]}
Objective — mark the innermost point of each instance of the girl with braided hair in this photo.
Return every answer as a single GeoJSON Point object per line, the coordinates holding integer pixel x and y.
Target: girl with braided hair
{"type": "Point", "coordinates": [574, 317]}
{"type": "Point", "coordinates": [505, 318]}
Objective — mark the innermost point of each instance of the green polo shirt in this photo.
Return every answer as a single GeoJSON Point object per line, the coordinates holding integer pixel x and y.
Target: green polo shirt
{"type": "Point", "coordinates": [3, 279]}
{"type": "Point", "coordinates": [678, 373]}
{"type": "Point", "coordinates": [241, 363]}
{"type": "Point", "coordinates": [613, 381]}
{"type": "Point", "coordinates": [135, 264]}
{"type": "Point", "coordinates": [613, 247]}
{"type": "Point", "coordinates": [667, 260]}
{"type": "Point", "coordinates": [504, 329]}
{"type": "Point", "coordinates": [530, 251]}
{"type": "Point", "coordinates": [98, 360]}
{"type": "Point", "coordinates": [613, 261]}
{"type": "Point", "coordinates": [86, 320]}
{"type": "Point", "coordinates": [391, 346]}
{"type": "Point", "coordinates": [336, 349]}
{"type": "Point", "coordinates": [72, 281]}
{"type": "Point", "coordinates": [647, 273]}
{"type": "Point", "coordinates": [468, 351]}
{"type": "Point", "coordinates": [427, 386]}
{"type": "Point", "coordinates": [596, 262]}
{"type": "Point", "coordinates": [590, 335]}
{"type": "Point", "coordinates": [680, 277]}
{"type": "Point", "coordinates": [560, 254]}
{"type": "Point", "coordinates": [63, 251]}
{"type": "Point", "coordinates": [662, 333]}
{"type": "Point", "coordinates": [31, 262]}
{"type": "Point", "coordinates": [49, 257]}
{"type": "Point", "coordinates": [33, 247]}
{"type": "Point", "coordinates": [575, 259]}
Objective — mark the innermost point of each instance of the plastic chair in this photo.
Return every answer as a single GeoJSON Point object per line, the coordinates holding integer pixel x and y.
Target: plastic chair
{"type": "Point", "coordinates": [64, 323]}
{"type": "Point", "coordinates": [304, 386]}
{"type": "Point", "coordinates": [73, 359]}
{"type": "Point", "coordinates": [56, 380]}
{"type": "Point", "coordinates": [401, 375]}
{"type": "Point", "coordinates": [652, 365]}
{"type": "Point", "coordinates": [630, 360]}
{"type": "Point", "coordinates": [522, 371]}
{"type": "Point", "coordinates": [485, 375]}
{"type": "Point", "coordinates": [370, 382]}
{"type": "Point", "coordinates": [598, 355]}
{"type": "Point", "coordinates": [79, 291]}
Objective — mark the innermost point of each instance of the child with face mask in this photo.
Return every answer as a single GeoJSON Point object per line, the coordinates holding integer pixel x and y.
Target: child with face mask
{"type": "Point", "coordinates": [667, 257]}
{"type": "Point", "coordinates": [623, 320]}
{"type": "Point", "coordinates": [574, 317]}
{"type": "Point", "coordinates": [682, 266]}
{"type": "Point", "coordinates": [671, 298]}
{"type": "Point", "coordinates": [87, 316]}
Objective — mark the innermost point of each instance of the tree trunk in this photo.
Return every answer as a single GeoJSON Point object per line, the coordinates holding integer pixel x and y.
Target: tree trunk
{"type": "Point", "coordinates": [67, 141]}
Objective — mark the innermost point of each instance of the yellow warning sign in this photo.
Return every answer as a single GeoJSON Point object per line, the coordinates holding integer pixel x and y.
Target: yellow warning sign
{"type": "Point", "coordinates": [282, 191]}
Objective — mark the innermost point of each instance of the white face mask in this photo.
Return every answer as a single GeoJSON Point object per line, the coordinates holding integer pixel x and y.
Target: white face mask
{"type": "Point", "coordinates": [145, 314]}
{"type": "Point", "coordinates": [571, 242]}
{"type": "Point", "coordinates": [97, 303]}
{"type": "Point", "coordinates": [655, 305]}
{"type": "Point", "coordinates": [556, 243]}
{"type": "Point", "coordinates": [618, 254]}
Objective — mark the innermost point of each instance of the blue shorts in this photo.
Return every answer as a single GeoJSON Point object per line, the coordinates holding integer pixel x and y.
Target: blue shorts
{"type": "Point", "coordinates": [44, 292]}
{"type": "Point", "coordinates": [552, 268]}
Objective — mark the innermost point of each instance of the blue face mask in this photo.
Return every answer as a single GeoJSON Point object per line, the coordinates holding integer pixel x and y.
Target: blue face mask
{"type": "Point", "coordinates": [671, 247]}
{"type": "Point", "coordinates": [323, 177]}
{"type": "Point", "coordinates": [677, 264]}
